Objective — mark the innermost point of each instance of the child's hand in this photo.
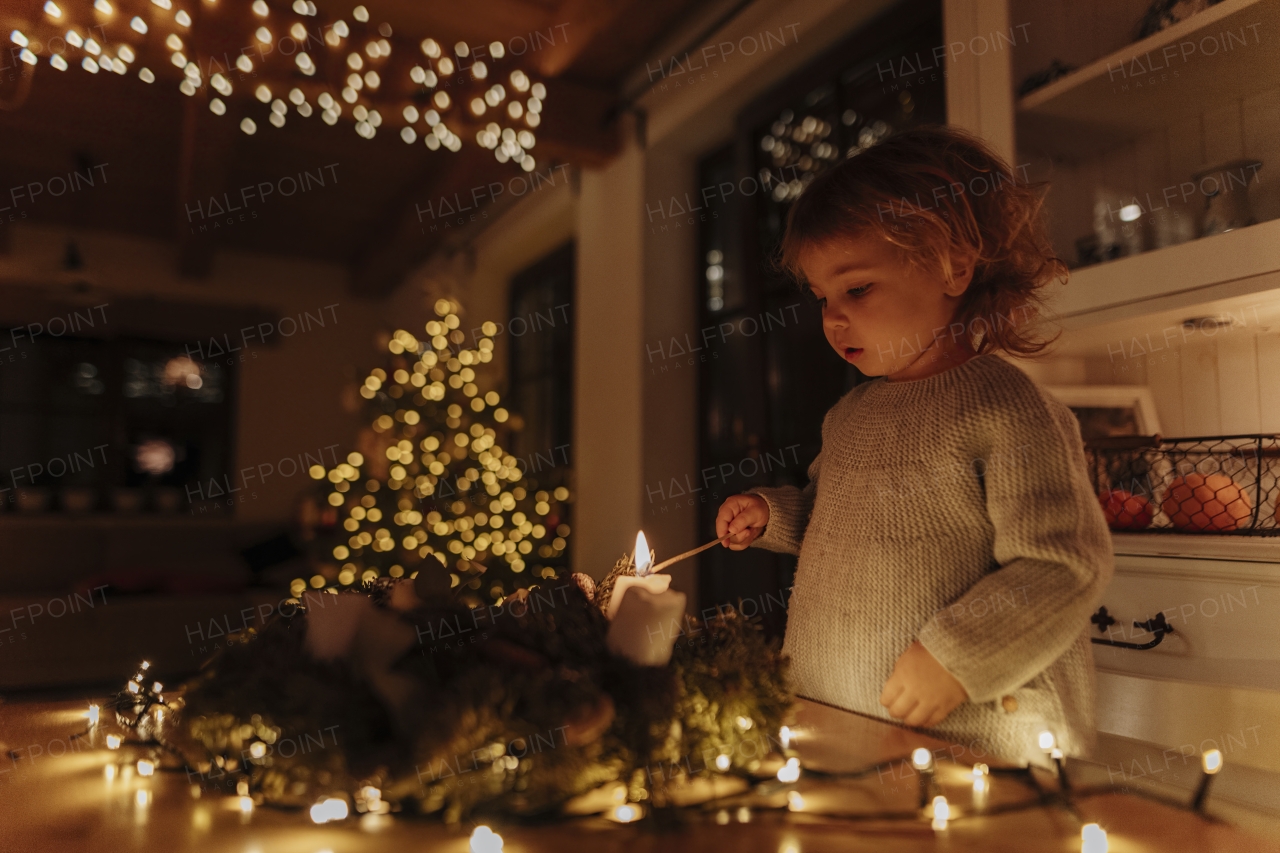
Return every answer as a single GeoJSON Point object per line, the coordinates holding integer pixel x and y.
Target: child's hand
{"type": "Point", "coordinates": [742, 518]}
{"type": "Point", "coordinates": [920, 692]}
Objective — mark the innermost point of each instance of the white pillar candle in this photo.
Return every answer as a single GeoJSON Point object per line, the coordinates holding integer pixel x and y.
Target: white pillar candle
{"type": "Point", "coordinates": [646, 626]}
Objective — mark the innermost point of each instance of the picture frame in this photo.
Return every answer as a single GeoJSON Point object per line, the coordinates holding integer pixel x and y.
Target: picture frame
{"type": "Point", "coordinates": [1110, 410]}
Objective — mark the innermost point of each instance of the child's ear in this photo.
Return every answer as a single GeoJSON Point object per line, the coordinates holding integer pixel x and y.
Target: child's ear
{"type": "Point", "coordinates": [963, 265]}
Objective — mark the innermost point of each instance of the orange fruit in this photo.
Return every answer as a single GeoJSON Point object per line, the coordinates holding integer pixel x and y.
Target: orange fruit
{"type": "Point", "coordinates": [1125, 510]}
{"type": "Point", "coordinates": [1198, 502]}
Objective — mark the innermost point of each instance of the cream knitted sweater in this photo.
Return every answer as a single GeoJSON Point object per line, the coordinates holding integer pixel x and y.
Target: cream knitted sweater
{"type": "Point", "coordinates": [953, 510]}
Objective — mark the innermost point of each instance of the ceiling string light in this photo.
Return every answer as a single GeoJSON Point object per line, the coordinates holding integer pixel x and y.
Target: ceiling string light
{"type": "Point", "coordinates": [500, 109]}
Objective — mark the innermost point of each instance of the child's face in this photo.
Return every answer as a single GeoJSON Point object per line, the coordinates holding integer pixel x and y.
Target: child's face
{"type": "Point", "coordinates": [877, 311]}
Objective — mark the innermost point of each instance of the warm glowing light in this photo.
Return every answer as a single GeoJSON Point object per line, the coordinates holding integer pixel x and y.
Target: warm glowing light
{"type": "Point", "coordinates": [642, 556]}
{"type": "Point", "coordinates": [142, 797]}
{"type": "Point", "coordinates": [93, 715]}
{"type": "Point", "coordinates": [921, 758]}
{"type": "Point", "coordinates": [626, 813]}
{"type": "Point", "coordinates": [113, 741]}
{"type": "Point", "coordinates": [1211, 761]}
{"type": "Point", "coordinates": [333, 808]}
{"type": "Point", "coordinates": [134, 687]}
{"type": "Point", "coordinates": [182, 18]}
{"type": "Point", "coordinates": [246, 805]}
{"type": "Point", "coordinates": [103, 6]}
{"type": "Point", "coordinates": [51, 9]}
{"type": "Point", "coordinates": [722, 763]}
{"type": "Point", "coordinates": [109, 772]}
{"type": "Point", "coordinates": [1093, 839]}
{"type": "Point", "coordinates": [258, 749]}
{"type": "Point", "coordinates": [260, 8]}
{"type": "Point", "coordinates": [485, 840]}
{"type": "Point", "coordinates": [789, 772]}
{"type": "Point", "coordinates": [1047, 741]}
{"type": "Point", "coordinates": [795, 801]}
{"type": "Point", "coordinates": [263, 35]}
{"type": "Point", "coordinates": [145, 767]}
{"type": "Point", "coordinates": [138, 25]}
{"type": "Point", "coordinates": [146, 76]}
{"type": "Point", "coordinates": [784, 736]}
{"type": "Point", "coordinates": [941, 812]}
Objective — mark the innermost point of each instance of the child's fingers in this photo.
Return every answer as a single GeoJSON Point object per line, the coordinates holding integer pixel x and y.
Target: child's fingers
{"type": "Point", "coordinates": [903, 706]}
{"type": "Point", "coordinates": [920, 715]}
{"type": "Point", "coordinates": [892, 690]}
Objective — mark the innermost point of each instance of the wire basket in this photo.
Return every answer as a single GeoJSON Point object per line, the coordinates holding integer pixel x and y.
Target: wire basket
{"type": "Point", "coordinates": [1216, 485]}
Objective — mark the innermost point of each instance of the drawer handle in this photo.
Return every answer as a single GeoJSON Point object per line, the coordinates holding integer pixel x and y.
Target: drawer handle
{"type": "Point", "coordinates": [1156, 625]}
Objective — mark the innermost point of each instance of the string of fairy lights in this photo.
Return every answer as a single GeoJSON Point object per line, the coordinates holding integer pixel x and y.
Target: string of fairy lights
{"type": "Point", "coordinates": [141, 708]}
{"type": "Point", "coordinates": [329, 69]}
{"type": "Point", "coordinates": [426, 464]}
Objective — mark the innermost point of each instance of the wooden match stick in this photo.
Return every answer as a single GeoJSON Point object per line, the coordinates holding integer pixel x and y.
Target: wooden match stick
{"type": "Point", "coordinates": [678, 557]}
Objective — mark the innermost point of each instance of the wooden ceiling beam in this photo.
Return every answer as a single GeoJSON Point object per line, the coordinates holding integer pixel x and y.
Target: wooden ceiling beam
{"type": "Point", "coordinates": [580, 22]}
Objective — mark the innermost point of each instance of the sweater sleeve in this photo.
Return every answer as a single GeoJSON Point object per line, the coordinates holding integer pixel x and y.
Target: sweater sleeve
{"type": "Point", "coordinates": [789, 509]}
{"type": "Point", "coordinates": [1052, 552]}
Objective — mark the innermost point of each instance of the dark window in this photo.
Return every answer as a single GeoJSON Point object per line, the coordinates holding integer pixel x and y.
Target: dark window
{"type": "Point", "coordinates": [772, 376]}
{"type": "Point", "coordinates": [112, 426]}
{"type": "Point", "coordinates": [540, 338]}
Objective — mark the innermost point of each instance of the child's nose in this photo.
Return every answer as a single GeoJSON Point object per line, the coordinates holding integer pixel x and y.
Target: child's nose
{"type": "Point", "coordinates": [833, 317]}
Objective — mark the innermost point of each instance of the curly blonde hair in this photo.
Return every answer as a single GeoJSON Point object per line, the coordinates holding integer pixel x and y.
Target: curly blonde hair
{"type": "Point", "coordinates": [938, 193]}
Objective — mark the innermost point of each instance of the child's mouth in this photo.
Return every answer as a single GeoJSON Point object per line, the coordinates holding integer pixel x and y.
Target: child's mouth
{"type": "Point", "coordinates": [851, 353]}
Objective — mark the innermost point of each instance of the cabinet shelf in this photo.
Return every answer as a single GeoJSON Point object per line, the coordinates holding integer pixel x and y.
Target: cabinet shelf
{"type": "Point", "coordinates": [1237, 263]}
{"type": "Point", "coordinates": [1228, 51]}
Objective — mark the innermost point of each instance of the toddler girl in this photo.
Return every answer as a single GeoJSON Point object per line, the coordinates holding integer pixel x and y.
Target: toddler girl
{"type": "Point", "coordinates": [951, 548]}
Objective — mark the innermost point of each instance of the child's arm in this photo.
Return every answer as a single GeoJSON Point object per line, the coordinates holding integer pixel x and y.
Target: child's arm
{"type": "Point", "coordinates": [789, 509]}
{"type": "Point", "coordinates": [1053, 550]}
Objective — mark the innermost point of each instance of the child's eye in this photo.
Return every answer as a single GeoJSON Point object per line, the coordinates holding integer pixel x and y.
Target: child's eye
{"type": "Point", "coordinates": [855, 292]}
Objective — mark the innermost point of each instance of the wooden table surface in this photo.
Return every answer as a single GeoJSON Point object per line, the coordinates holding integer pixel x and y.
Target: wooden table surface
{"type": "Point", "coordinates": [55, 796]}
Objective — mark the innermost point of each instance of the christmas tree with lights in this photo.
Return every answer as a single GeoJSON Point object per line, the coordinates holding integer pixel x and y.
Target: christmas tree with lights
{"type": "Point", "coordinates": [430, 493]}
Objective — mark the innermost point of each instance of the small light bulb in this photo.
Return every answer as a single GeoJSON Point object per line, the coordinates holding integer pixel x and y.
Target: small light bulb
{"type": "Point", "coordinates": [1047, 741]}
{"type": "Point", "coordinates": [113, 742]}
{"type": "Point", "coordinates": [93, 715]}
{"type": "Point", "coordinates": [485, 840]}
{"type": "Point", "coordinates": [941, 813]}
{"type": "Point", "coordinates": [103, 6]}
{"type": "Point", "coordinates": [723, 762]}
{"type": "Point", "coordinates": [182, 18]}
{"type": "Point", "coordinates": [246, 805]}
{"type": "Point", "coordinates": [145, 767]}
{"type": "Point", "coordinates": [1211, 761]}
{"type": "Point", "coordinates": [1093, 839]}
{"type": "Point", "coordinates": [146, 76]}
{"type": "Point", "coordinates": [789, 772]}
{"type": "Point", "coordinates": [138, 25]}
{"type": "Point", "coordinates": [51, 9]}
{"type": "Point", "coordinates": [921, 758]}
